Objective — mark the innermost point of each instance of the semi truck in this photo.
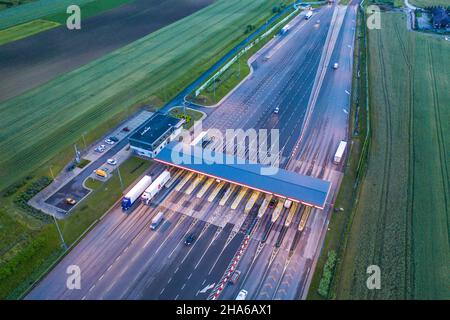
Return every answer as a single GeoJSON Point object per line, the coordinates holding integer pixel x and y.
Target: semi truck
{"type": "Point", "coordinates": [340, 152]}
{"type": "Point", "coordinates": [134, 194]}
{"type": "Point", "coordinates": [155, 187]}
{"type": "Point", "coordinates": [308, 14]}
{"type": "Point", "coordinates": [156, 221]}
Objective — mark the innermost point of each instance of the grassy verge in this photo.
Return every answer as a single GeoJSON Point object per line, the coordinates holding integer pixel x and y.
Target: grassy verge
{"type": "Point", "coordinates": [430, 3]}
{"type": "Point", "coordinates": [25, 30]}
{"type": "Point", "coordinates": [27, 253]}
{"type": "Point", "coordinates": [401, 219]}
{"type": "Point", "coordinates": [340, 221]}
{"type": "Point", "coordinates": [190, 116]}
{"type": "Point", "coordinates": [234, 75]}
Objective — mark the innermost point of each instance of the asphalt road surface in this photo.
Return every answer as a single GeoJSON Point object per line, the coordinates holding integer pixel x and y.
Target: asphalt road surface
{"type": "Point", "coordinates": [121, 258]}
{"type": "Point", "coordinates": [35, 60]}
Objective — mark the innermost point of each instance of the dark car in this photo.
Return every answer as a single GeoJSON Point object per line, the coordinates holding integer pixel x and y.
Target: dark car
{"type": "Point", "coordinates": [234, 277]}
{"type": "Point", "coordinates": [190, 239]}
{"type": "Point", "coordinates": [126, 129]}
{"type": "Point", "coordinates": [272, 203]}
{"type": "Point", "coordinates": [113, 139]}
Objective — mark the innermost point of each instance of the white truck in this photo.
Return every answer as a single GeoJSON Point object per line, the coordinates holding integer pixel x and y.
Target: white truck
{"type": "Point", "coordinates": [135, 192]}
{"type": "Point", "coordinates": [308, 14]}
{"type": "Point", "coordinates": [155, 187]}
{"type": "Point", "coordinates": [340, 152]}
{"type": "Point", "coordinates": [156, 221]}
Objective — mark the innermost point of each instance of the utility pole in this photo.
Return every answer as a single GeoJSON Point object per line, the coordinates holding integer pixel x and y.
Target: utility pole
{"type": "Point", "coordinates": [63, 243]}
{"type": "Point", "coordinates": [120, 178]}
{"type": "Point", "coordinates": [84, 141]}
{"type": "Point", "coordinates": [51, 172]}
{"type": "Point", "coordinates": [77, 154]}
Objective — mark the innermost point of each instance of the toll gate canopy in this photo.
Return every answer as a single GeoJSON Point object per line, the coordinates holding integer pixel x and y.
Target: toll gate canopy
{"type": "Point", "coordinates": [282, 183]}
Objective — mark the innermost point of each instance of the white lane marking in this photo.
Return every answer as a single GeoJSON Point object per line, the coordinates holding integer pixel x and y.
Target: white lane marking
{"type": "Point", "coordinates": [184, 285]}
{"type": "Point", "coordinates": [345, 111]}
{"type": "Point", "coordinates": [347, 92]}
{"type": "Point", "coordinates": [190, 276]}
{"type": "Point", "coordinates": [208, 287]}
{"type": "Point", "coordinates": [162, 291]}
{"type": "Point", "coordinates": [169, 280]}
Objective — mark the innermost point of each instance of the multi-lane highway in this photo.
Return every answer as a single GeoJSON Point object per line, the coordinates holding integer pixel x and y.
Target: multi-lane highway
{"type": "Point", "coordinates": [121, 258]}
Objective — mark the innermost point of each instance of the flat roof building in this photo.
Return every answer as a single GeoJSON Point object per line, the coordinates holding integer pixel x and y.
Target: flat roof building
{"type": "Point", "coordinates": [286, 184]}
{"type": "Point", "coordinates": [153, 135]}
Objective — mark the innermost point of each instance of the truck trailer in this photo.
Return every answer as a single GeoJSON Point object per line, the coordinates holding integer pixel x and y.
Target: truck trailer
{"type": "Point", "coordinates": [340, 152]}
{"type": "Point", "coordinates": [155, 187]}
{"type": "Point", "coordinates": [135, 192]}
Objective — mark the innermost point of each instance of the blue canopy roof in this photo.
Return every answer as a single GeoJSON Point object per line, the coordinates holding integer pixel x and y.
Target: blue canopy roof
{"type": "Point", "coordinates": [305, 189]}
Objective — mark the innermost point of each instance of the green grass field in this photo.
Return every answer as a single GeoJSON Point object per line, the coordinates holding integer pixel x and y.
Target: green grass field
{"type": "Point", "coordinates": [41, 122]}
{"type": "Point", "coordinates": [401, 221]}
{"type": "Point", "coordinates": [35, 10]}
{"type": "Point", "coordinates": [428, 3]}
{"type": "Point", "coordinates": [89, 9]}
{"type": "Point", "coordinates": [25, 30]}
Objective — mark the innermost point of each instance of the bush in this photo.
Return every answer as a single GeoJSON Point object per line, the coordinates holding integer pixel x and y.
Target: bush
{"type": "Point", "coordinates": [327, 275]}
{"type": "Point", "coordinates": [22, 199]}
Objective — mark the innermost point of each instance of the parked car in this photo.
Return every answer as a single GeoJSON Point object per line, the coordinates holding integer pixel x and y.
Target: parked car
{"type": "Point", "coordinates": [234, 277]}
{"type": "Point", "coordinates": [109, 141]}
{"type": "Point", "coordinates": [71, 201]}
{"type": "Point", "coordinates": [126, 129]}
{"type": "Point", "coordinates": [190, 239]}
{"type": "Point", "coordinates": [242, 295]}
{"type": "Point", "coordinates": [112, 162]}
{"type": "Point", "coordinates": [99, 150]}
{"type": "Point", "coordinates": [336, 65]}
{"type": "Point", "coordinates": [276, 110]}
{"type": "Point", "coordinates": [115, 139]}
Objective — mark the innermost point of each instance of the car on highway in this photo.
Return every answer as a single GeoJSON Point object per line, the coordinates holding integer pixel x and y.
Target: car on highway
{"type": "Point", "coordinates": [242, 295]}
{"type": "Point", "coordinates": [190, 239]}
{"type": "Point", "coordinates": [272, 203]}
{"type": "Point", "coordinates": [109, 141]}
{"type": "Point", "coordinates": [234, 277]}
{"type": "Point", "coordinates": [112, 161]}
{"type": "Point", "coordinates": [335, 66]}
{"type": "Point", "coordinates": [276, 110]}
{"type": "Point", "coordinates": [71, 201]}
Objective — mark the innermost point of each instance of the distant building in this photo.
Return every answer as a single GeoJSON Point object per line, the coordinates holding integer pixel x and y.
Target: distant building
{"type": "Point", "coordinates": [152, 136]}
{"type": "Point", "coordinates": [441, 19]}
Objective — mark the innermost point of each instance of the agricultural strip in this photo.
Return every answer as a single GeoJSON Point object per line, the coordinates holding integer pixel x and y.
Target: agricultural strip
{"type": "Point", "coordinates": [33, 61]}
{"type": "Point", "coordinates": [430, 3]}
{"type": "Point", "coordinates": [25, 30]}
{"type": "Point", "coordinates": [38, 124]}
{"type": "Point", "coordinates": [34, 10]}
{"type": "Point", "coordinates": [401, 222]}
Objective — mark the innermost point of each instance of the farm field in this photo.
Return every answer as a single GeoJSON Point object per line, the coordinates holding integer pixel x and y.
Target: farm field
{"type": "Point", "coordinates": [161, 63]}
{"type": "Point", "coordinates": [427, 3]}
{"type": "Point", "coordinates": [402, 221]}
{"type": "Point", "coordinates": [25, 30]}
{"type": "Point", "coordinates": [34, 10]}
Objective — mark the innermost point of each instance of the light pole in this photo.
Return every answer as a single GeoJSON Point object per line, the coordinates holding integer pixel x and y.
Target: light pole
{"type": "Point", "coordinates": [63, 243]}
{"type": "Point", "coordinates": [120, 177]}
